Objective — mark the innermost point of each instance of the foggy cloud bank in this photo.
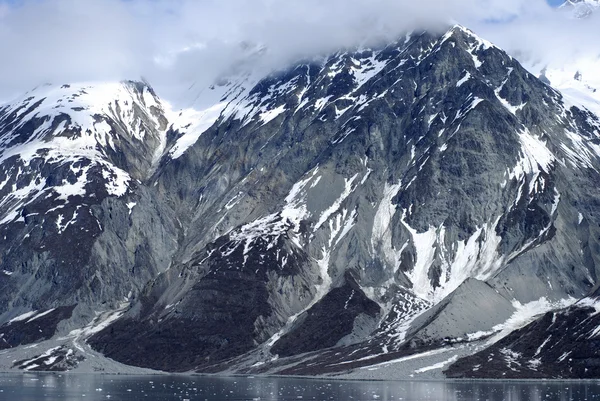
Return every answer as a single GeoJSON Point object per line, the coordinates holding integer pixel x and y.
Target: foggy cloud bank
{"type": "Point", "coordinates": [174, 43]}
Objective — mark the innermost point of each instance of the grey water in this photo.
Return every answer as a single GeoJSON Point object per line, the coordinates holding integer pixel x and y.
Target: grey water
{"type": "Point", "coordinates": [70, 387]}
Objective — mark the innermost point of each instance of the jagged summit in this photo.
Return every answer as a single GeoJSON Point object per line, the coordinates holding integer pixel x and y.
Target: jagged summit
{"type": "Point", "coordinates": [86, 120]}
{"type": "Point", "coordinates": [86, 133]}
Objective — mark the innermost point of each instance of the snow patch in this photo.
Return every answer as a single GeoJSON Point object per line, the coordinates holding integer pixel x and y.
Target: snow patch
{"type": "Point", "coordinates": [589, 303]}
{"type": "Point", "coordinates": [365, 69]}
{"type": "Point", "coordinates": [535, 158]}
{"type": "Point", "coordinates": [407, 358]}
{"type": "Point", "coordinates": [270, 115]}
{"type": "Point", "coordinates": [527, 313]}
{"type": "Point", "coordinates": [193, 123]}
{"type": "Point", "coordinates": [477, 257]}
{"type": "Point", "coordinates": [439, 365]}
{"type": "Point", "coordinates": [22, 317]}
{"type": "Point", "coordinates": [381, 233]}
{"type": "Point", "coordinates": [130, 206]}
{"type": "Point", "coordinates": [41, 315]}
{"type": "Point", "coordinates": [463, 79]}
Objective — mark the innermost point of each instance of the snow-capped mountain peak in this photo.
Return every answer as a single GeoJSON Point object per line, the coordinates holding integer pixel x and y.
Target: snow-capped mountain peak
{"type": "Point", "coordinates": [87, 120]}
{"type": "Point", "coordinates": [83, 135]}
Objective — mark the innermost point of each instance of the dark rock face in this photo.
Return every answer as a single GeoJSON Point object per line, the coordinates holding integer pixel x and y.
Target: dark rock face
{"type": "Point", "coordinates": [559, 345]}
{"type": "Point", "coordinates": [328, 321]}
{"type": "Point", "coordinates": [365, 202]}
{"type": "Point", "coordinates": [221, 308]}
{"type": "Point", "coordinates": [33, 327]}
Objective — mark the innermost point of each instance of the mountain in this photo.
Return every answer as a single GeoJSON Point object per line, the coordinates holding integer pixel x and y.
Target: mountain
{"type": "Point", "coordinates": [379, 206]}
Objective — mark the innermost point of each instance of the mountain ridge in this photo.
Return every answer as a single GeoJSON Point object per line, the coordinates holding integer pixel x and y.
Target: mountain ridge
{"type": "Point", "coordinates": [318, 190]}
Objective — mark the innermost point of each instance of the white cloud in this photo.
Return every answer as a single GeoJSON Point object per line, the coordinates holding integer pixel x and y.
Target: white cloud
{"type": "Point", "coordinates": [4, 10]}
{"type": "Point", "coordinates": [176, 42]}
{"type": "Point", "coordinates": [68, 40]}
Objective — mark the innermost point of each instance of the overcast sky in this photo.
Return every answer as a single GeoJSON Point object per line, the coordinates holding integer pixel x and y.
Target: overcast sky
{"type": "Point", "coordinates": [177, 42]}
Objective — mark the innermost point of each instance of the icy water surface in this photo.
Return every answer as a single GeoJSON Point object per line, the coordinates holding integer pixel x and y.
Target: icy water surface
{"type": "Point", "coordinates": [57, 387]}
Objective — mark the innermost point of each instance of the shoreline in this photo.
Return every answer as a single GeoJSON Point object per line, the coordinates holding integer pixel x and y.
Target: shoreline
{"type": "Point", "coordinates": [302, 378]}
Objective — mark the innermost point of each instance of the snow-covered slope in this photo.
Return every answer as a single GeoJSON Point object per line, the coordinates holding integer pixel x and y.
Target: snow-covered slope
{"type": "Point", "coordinates": [577, 80]}
{"type": "Point", "coordinates": [88, 126]}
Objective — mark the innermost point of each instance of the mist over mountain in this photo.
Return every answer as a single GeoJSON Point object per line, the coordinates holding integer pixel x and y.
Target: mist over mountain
{"type": "Point", "coordinates": [177, 44]}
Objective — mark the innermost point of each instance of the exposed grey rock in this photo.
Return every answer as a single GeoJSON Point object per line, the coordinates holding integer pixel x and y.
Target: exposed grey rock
{"type": "Point", "coordinates": [223, 306]}
{"type": "Point", "coordinates": [72, 162]}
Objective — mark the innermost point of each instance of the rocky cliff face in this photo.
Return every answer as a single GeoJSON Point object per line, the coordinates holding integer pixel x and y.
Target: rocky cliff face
{"type": "Point", "coordinates": [344, 212]}
{"type": "Point", "coordinates": [74, 160]}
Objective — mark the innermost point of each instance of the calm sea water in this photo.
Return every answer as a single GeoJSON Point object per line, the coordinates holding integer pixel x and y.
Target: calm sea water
{"type": "Point", "coordinates": [41, 387]}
